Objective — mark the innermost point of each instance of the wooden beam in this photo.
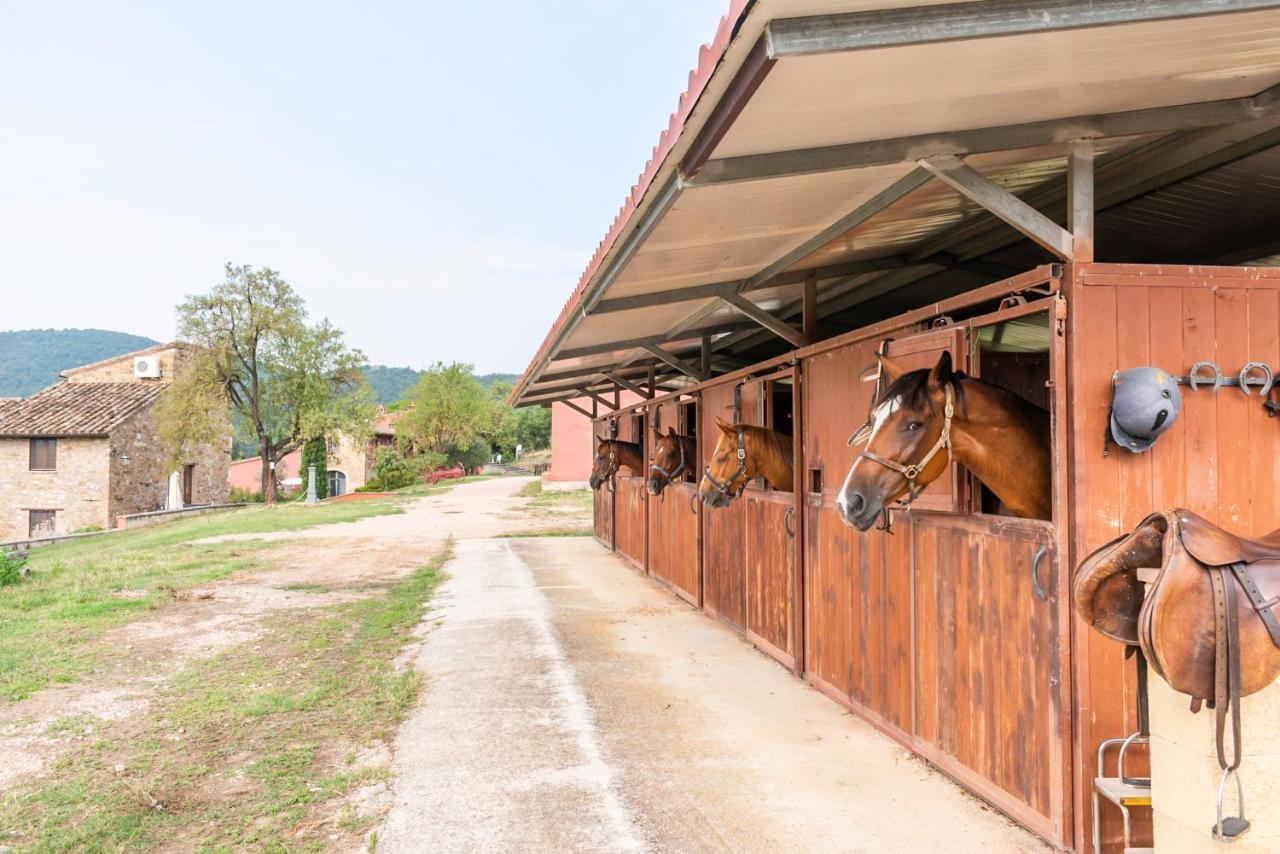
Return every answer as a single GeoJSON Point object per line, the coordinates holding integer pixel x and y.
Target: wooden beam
{"type": "Point", "coordinates": [896, 191]}
{"type": "Point", "coordinates": [704, 355]}
{"type": "Point", "coordinates": [765, 319]}
{"type": "Point", "coordinates": [979, 188]}
{"type": "Point", "coordinates": [719, 289]}
{"type": "Point", "coordinates": [809, 310]}
{"type": "Point", "coordinates": [829, 158]}
{"type": "Point", "coordinates": [653, 384]}
{"type": "Point", "coordinates": [675, 362]}
{"type": "Point", "coordinates": [576, 408]}
{"type": "Point", "coordinates": [917, 25]}
{"type": "Point", "coordinates": [630, 386]}
{"type": "Point", "coordinates": [754, 69]}
{"type": "Point", "coordinates": [586, 392]}
{"type": "Point", "coordinates": [639, 343]}
{"type": "Point", "coordinates": [1080, 199]}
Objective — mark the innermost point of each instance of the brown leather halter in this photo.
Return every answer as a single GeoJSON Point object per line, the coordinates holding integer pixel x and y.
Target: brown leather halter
{"type": "Point", "coordinates": [913, 471]}
{"type": "Point", "coordinates": [726, 488]}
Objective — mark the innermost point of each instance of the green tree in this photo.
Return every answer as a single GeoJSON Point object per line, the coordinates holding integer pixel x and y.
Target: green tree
{"type": "Point", "coordinates": [533, 427]}
{"type": "Point", "coordinates": [315, 452]}
{"type": "Point", "coordinates": [446, 410]}
{"type": "Point", "coordinates": [286, 380]}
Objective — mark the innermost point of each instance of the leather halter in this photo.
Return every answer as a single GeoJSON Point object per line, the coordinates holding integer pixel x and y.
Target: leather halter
{"type": "Point", "coordinates": [674, 473]}
{"type": "Point", "coordinates": [912, 471]}
{"type": "Point", "coordinates": [726, 488]}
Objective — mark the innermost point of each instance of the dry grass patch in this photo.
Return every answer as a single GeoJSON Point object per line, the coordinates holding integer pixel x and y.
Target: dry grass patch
{"type": "Point", "coordinates": [254, 748]}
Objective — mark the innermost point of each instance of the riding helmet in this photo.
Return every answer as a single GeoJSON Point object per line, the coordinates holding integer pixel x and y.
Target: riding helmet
{"type": "Point", "coordinates": [1144, 403]}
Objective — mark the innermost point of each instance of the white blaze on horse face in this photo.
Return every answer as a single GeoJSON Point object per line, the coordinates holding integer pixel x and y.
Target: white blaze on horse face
{"type": "Point", "coordinates": [878, 417]}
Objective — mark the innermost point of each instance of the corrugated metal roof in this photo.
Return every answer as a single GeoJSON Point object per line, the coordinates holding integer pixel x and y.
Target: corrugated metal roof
{"type": "Point", "coordinates": [735, 224]}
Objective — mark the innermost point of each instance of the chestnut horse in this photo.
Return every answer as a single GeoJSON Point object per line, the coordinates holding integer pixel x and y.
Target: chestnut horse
{"type": "Point", "coordinates": [674, 456]}
{"type": "Point", "coordinates": [742, 452]}
{"type": "Point", "coordinates": [925, 419]}
{"type": "Point", "coordinates": [612, 454]}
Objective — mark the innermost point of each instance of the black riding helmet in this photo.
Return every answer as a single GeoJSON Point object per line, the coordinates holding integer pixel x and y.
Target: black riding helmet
{"type": "Point", "coordinates": [1144, 403]}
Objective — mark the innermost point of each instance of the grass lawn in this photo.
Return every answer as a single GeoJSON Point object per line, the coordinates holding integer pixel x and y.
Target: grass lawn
{"type": "Point", "coordinates": [253, 749]}
{"type": "Point", "coordinates": [548, 501]}
{"type": "Point", "coordinates": [52, 624]}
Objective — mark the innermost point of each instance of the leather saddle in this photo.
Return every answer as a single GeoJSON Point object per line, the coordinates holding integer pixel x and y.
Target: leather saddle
{"type": "Point", "coordinates": [1208, 624]}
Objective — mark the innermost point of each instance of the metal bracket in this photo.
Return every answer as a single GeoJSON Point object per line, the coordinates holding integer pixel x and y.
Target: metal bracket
{"type": "Point", "coordinates": [1253, 375]}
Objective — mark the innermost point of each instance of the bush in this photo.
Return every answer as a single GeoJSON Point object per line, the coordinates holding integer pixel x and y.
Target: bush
{"type": "Point", "coordinates": [315, 452]}
{"type": "Point", "coordinates": [89, 529]}
{"type": "Point", "coordinates": [393, 470]}
{"type": "Point", "coordinates": [11, 569]}
{"type": "Point", "coordinates": [239, 495]}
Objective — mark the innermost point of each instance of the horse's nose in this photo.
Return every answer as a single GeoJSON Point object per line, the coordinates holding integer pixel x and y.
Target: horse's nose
{"type": "Point", "coordinates": [851, 504]}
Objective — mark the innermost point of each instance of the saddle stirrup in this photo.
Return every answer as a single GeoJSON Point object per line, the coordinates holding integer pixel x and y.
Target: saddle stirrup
{"type": "Point", "coordinates": [1226, 698]}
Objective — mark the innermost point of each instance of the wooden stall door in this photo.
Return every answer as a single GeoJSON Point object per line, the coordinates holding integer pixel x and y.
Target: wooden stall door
{"type": "Point", "coordinates": [630, 497]}
{"type": "Point", "coordinates": [724, 530]}
{"type": "Point", "coordinates": [602, 500]}
{"type": "Point", "coordinates": [674, 523]}
{"type": "Point", "coordinates": [935, 633]}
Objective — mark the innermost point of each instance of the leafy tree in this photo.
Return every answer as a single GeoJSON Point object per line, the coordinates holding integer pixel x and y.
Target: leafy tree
{"type": "Point", "coordinates": [533, 427]}
{"type": "Point", "coordinates": [445, 411]}
{"type": "Point", "coordinates": [286, 380]}
{"type": "Point", "coordinates": [315, 452]}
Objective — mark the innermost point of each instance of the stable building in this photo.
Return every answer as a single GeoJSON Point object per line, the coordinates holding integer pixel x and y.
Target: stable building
{"type": "Point", "coordinates": [79, 454]}
{"type": "Point", "coordinates": [1047, 190]}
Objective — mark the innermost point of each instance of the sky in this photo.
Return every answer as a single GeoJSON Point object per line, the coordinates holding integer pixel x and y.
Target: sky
{"type": "Point", "coordinates": [431, 177]}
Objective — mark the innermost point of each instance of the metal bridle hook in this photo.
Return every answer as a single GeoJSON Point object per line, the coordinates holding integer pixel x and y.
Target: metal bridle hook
{"type": "Point", "coordinates": [789, 526]}
{"type": "Point", "coordinates": [1215, 376]}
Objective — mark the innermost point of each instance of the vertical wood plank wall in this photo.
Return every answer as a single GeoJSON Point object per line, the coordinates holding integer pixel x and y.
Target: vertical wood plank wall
{"type": "Point", "coordinates": [1221, 458]}
{"type": "Point", "coordinates": [674, 523]}
{"type": "Point", "coordinates": [602, 499]}
{"type": "Point", "coordinates": [630, 506]}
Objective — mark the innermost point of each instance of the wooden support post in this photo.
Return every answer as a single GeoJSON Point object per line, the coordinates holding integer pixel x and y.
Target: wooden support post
{"type": "Point", "coordinates": [597, 399]}
{"type": "Point", "coordinates": [704, 355]}
{"type": "Point", "coordinates": [653, 379]}
{"type": "Point", "coordinates": [998, 201]}
{"type": "Point", "coordinates": [809, 311]}
{"type": "Point", "coordinates": [1080, 199]}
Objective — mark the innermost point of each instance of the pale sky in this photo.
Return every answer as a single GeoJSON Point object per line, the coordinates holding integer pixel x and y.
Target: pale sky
{"type": "Point", "coordinates": [433, 177]}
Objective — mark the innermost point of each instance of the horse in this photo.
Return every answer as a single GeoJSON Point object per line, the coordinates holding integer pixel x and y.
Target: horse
{"type": "Point", "coordinates": [742, 452]}
{"type": "Point", "coordinates": [673, 456]}
{"type": "Point", "coordinates": [612, 454]}
{"type": "Point", "coordinates": [925, 419]}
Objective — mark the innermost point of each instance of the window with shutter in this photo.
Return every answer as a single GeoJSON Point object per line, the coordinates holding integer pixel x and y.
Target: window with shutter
{"type": "Point", "coordinates": [44, 455]}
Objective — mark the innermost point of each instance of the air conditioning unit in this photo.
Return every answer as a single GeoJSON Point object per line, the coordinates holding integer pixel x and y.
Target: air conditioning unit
{"type": "Point", "coordinates": [147, 367]}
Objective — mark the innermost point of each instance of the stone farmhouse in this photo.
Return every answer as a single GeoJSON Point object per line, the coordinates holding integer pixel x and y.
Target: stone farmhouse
{"type": "Point", "coordinates": [80, 454]}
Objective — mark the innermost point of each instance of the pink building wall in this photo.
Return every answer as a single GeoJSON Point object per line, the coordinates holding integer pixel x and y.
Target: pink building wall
{"type": "Point", "coordinates": [247, 474]}
{"type": "Point", "coordinates": [571, 440]}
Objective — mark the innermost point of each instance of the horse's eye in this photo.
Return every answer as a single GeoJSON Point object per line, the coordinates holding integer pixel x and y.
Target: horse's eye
{"type": "Point", "coordinates": [912, 426]}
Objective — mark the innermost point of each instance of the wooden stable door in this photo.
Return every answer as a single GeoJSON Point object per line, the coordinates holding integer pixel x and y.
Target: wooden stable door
{"type": "Point", "coordinates": [602, 500]}
{"type": "Point", "coordinates": [674, 516]}
{"type": "Point", "coordinates": [630, 506]}
{"type": "Point", "coordinates": [937, 632]}
{"type": "Point", "coordinates": [749, 548]}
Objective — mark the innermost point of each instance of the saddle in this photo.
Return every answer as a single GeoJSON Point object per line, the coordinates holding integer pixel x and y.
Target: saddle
{"type": "Point", "coordinates": [1209, 623]}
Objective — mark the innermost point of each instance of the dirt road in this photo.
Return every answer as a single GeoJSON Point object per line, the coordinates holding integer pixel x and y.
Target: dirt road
{"type": "Point", "coordinates": [574, 706]}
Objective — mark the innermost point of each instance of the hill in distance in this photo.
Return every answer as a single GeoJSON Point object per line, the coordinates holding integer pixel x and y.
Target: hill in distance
{"type": "Point", "coordinates": [31, 359]}
{"type": "Point", "coordinates": [390, 384]}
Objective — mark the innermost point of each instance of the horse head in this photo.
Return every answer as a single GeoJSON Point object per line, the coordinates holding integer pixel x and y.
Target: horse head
{"type": "Point", "coordinates": [907, 440]}
{"type": "Point", "coordinates": [671, 459]}
{"type": "Point", "coordinates": [605, 464]}
{"type": "Point", "coordinates": [731, 467]}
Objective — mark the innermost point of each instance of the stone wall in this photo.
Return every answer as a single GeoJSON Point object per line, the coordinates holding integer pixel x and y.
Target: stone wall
{"type": "Point", "coordinates": [77, 490]}
{"type": "Point", "coordinates": [120, 370]}
{"type": "Point", "coordinates": [141, 485]}
{"type": "Point", "coordinates": [352, 458]}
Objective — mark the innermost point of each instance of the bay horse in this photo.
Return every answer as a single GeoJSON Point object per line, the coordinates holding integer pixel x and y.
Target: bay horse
{"type": "Point", "coordinates": [612, 454]}
{"type": "Point", "coordinates": [925, 419]}
{"type": "Point", "coordinates": [673, 456]}
{"type": "Point", "coordinates": [742, 452]}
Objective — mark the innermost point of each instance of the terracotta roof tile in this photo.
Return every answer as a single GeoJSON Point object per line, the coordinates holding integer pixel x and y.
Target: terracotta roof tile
{"type": "Point", "coordinates": [76, 409]}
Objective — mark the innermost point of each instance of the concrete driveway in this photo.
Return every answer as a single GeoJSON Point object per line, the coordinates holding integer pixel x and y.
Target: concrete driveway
{"type": "Point", "coordinates": [572, 705]}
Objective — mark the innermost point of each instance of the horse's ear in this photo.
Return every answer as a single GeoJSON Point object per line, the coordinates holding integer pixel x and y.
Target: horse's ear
{"type": "Point", "coordinates": [942, 372]}
{"type": "Point", "coordinates": [725, 427]}
{"type": "Point", "coordinates": [889, 369]}
{"type": "Point", "coordinates": [671, 431]}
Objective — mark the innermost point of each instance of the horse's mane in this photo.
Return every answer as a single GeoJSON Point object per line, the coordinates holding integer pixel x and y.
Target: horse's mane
{"type": "Point", "coordinates": [774, 441]}
{"type": "Point", "coordinates": [913, 388]}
